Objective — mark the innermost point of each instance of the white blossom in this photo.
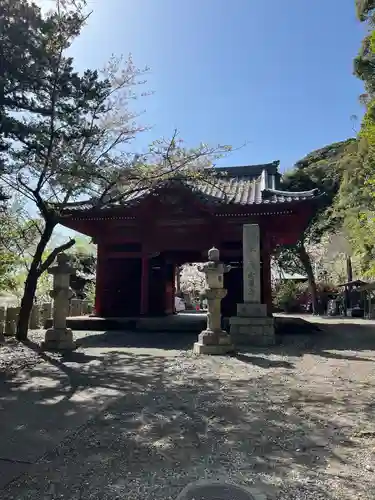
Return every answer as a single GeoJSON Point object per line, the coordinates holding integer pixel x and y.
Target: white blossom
{"type": "Point", "coordinates": [192, 281]}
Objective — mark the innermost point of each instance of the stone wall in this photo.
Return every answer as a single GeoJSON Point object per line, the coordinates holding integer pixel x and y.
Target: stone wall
{"type": "Point", "coordinates": [39, 315]}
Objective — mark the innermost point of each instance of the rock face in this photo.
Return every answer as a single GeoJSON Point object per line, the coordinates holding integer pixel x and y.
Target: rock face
{"type": "Point", "coordinates": [214, 340]}
{"type": "Point", "coordinates": [252, 325]}
{"type": "Point", "coordinates": [219, 491]}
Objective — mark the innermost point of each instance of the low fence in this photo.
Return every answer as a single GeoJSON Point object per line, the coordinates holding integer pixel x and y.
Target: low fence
{"type": "Point", "coordinates": [39, 315]}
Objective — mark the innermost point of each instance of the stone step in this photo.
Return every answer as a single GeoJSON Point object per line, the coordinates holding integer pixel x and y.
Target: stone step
{"type": "Point", "coordinates": [251, 320]}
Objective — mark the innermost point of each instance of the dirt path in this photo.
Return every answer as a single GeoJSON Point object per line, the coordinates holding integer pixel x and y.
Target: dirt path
{"type": "Point", "coordinates": [297, 420]}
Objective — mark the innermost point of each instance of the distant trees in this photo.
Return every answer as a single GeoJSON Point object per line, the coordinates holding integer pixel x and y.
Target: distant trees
{"type": "Point", "coordinates": [63, 134]}
{"type": "Point", "coordinates": [356, 197]}
{"type": "Point", "coordinates": [322, 169]}
{"type": "Point", "coordinates": [83, 259]}
{"type": "Point", "coordinates": [365, 9]}
{"type": "Point", "coordinates": [9, 260]}
{"type": "Point", "coordinates": [346, 174]}
{"type": "Point", "coordinates": [53, 133]}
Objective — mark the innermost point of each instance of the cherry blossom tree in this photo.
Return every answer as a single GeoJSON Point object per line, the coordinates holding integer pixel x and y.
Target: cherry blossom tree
{"type": "Point", "coordinates": [192, 281]}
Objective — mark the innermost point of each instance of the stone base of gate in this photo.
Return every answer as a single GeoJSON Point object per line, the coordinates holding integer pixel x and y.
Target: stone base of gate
{"type": "Point", "coordinates": [252, 326]}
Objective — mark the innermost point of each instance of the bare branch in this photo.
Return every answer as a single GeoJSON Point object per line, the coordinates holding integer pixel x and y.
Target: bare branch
{"type": "Point", "coordinates": [52, 256]}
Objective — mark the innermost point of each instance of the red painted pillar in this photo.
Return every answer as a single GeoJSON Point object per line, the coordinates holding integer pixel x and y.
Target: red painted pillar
{"type": "Point", "coordinates": [266, 276]}
{"type": "Point", "coordinates": [99, 283]}
{"type": "Point", "coordinates": [144, 309]}
{"type": "Point", "coordinates": [170, 289]}
{"type": "Point", "coordinates": [177, 279]}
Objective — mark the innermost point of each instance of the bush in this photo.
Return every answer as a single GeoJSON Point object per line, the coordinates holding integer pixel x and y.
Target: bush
{"type": "Point", "coordinates": [290, 296]}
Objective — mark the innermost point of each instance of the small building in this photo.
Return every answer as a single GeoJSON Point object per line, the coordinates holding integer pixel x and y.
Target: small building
{"type": "Point", "coordinates": [143, 238]}
{"type": "Point", "coordinates": [368, 293]}
{"type": "Point", "coordinates": [280, 275]}
{"type": "Point", "coordinates": [353, 303]}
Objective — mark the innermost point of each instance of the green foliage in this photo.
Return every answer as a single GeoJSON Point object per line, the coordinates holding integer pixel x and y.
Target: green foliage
{"type": "Point", "coordinates": [323, 170]}
{"type": "Point", "coordinates": [83, 246]}
{"type": "Point", "coordinates": [365, 9]}
{"type": "Point", "coordinates": [8, 271]}
{"type": "Point", "coordinates": [355, 202]}
{"type": "Point", "coordinates": [8, 260]}
{"type": "Point", "coordinates": [288, 261]}
{"type": "Point", "coordinates": [17, 238]}
{"type": "Point", "coordinates": [83, 259]}
{"type": "Point", "coordinates": [19, 53]}
{"type": "Point", "coordinates": [61, 132]}
{"type": "Point", "coordinates": [89, 292]}
{"type": "Point", "coordinates": [42, 293]}
{"type": "Point", "coordinates": [64, 134]}
{"type": "Point", "coordinates": [288, 295]}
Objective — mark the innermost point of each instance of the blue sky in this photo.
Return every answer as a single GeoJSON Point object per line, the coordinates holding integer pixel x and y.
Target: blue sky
{"type": "Point", "coordinates": [274, 74]}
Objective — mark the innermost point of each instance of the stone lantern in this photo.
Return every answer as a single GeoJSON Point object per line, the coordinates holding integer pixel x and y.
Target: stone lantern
{"type": "Point", "coordinates": [214, 340]}
{"type": "Point", "coordinates": [59, 337]}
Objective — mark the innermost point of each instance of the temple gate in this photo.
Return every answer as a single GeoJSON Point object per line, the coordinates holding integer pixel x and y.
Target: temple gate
{"type": "Point", "coordinates": [143, 240]}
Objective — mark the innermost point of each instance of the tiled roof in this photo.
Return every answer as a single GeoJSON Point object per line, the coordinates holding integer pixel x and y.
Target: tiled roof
{"type": "Point", "coordinates": [235, 185]}
{"type": "Point", "coordinates": [277, 196]}
{"type": "Point", "coordinates": [235, 191]}
{"type": "Point", "coordinates": [250, 171]}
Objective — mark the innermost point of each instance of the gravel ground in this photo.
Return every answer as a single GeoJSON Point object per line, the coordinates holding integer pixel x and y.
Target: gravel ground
{"type": "Point", "coordinates": [296, 421]}
{"type": "Point", "coordinates": [15, 356]}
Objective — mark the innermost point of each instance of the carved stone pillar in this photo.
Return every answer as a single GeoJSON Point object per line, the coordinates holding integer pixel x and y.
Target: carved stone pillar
{"type": "Point", "coordinates": [252, 325]}
{"type": "Point", "coordinates": [214, 340]}
{"type": "Point", "coordinates": [59, 337]}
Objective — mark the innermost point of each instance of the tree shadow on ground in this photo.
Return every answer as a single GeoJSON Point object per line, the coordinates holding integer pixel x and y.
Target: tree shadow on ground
{"type": "Point", "coordinates": [262, 362]}
{"type": "Point", "coordinates": [296, 338]}
{"type": "Point", "coordinates": [177, 420]}
{"type": "Point", "coordinates": [164, 340]}
{"type": "Point", "coordinates": [323, 338]}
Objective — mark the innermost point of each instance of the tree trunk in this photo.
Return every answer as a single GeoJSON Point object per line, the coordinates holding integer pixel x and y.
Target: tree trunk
{"type": "Point", "coordinates": [349, 269]}
{"type": "Point", "coordinates": [306, 262]}
{"type": "Point", "coordinates": [31, 283]}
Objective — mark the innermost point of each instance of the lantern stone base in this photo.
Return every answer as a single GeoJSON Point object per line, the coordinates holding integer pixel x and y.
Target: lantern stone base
{"type": "Point", "coordinates": [252, 326]}
{"type": "Point", "coordinates": [58, 339]}
{"type": "Point", "coordinates": [210, 342]}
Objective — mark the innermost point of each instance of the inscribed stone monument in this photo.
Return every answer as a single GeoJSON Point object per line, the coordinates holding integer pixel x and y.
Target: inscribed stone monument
{"type": "Point", "coordinates": [252, 325]}
{"type": "Point", "coordinates": [251, 263]}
